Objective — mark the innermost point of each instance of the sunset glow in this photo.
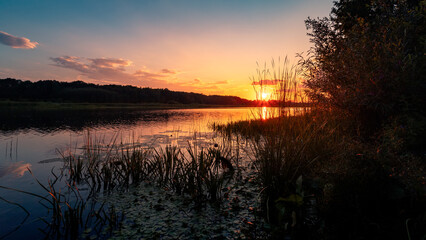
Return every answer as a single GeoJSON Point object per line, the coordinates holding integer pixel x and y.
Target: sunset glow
{"type": "Point", "coordinates": [204, 47]}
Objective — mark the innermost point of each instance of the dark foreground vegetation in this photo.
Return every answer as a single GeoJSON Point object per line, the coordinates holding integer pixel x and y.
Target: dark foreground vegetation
{"type": "Point", "coordinates": [81, 92]}
{"type": "Point", "coordinates": [354, 166]}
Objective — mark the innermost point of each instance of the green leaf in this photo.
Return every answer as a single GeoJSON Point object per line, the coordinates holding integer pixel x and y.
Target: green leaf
{"type": "Point", "coordinates": [295, 199]}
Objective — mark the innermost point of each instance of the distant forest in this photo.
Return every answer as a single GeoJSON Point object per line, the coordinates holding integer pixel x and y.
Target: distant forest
{"type": "Point", "coordinates": [81, 92]}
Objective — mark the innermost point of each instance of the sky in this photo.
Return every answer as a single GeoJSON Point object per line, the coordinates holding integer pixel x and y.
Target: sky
{"type": "Point", "coordinates": [209, 47]}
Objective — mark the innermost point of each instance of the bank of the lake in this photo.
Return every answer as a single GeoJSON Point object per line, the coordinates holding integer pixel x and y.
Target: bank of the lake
{"type": "Point", "coordinates": [42, 106]}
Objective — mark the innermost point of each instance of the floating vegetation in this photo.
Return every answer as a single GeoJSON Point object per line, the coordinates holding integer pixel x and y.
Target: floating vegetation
{"type": "Point", "coordinates": [153, 212]}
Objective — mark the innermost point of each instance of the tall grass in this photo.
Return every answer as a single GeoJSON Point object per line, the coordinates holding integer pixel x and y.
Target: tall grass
{"type": "Point", "coordinates": [286, 150]}
{"type": "Point", "coordinates": [105, 166]}
{"type": "Point", "coordinates": [194, 171]}
{"type": "Point", "coordinates": [281, 82]}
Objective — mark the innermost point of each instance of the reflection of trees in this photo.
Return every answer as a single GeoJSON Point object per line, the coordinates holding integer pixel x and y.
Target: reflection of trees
{"type": "Point", "coordinates": [76, 120]}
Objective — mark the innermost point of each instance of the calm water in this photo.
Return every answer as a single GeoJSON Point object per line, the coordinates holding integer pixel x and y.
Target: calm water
{"type": "Point", "coordinates": [30, 139]}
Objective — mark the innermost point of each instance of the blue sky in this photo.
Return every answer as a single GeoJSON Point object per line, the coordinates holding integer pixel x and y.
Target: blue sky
{"type": "Point", "coordinates": [209, 47]}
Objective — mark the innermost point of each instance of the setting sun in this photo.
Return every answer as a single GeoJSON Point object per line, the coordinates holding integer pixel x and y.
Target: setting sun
{"type": "Point", "coordinates": [264, 96]}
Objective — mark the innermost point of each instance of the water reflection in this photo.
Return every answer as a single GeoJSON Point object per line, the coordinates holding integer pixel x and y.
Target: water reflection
{"type": "Point", "coordinates": [75, 120]}
{"type": "Point", "coordinates": [32, 139]}
{"type": "Point", "coordinates": [14, 169]}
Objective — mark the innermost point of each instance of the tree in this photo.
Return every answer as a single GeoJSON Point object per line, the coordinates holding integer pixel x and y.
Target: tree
{"type": "Point", "coordinates": [367, 61]}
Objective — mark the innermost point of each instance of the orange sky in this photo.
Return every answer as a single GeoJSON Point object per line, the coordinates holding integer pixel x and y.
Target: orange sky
{"type": "Point", "coordinates": [197, 46]}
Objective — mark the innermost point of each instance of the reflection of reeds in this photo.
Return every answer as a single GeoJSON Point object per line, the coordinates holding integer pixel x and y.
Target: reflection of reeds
{"type": "Point", "coordinates": [195, 172]}
{"type": "Point", "coordinates": [71, 214]}
{"type": "Point", "coordinates": [11, 150]}
{"type": "Point", "coordinates": [21, 207]}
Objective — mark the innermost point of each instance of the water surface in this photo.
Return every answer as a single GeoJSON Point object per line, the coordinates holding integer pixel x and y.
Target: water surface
{"type": "Point", "coordinates": [34, 140]}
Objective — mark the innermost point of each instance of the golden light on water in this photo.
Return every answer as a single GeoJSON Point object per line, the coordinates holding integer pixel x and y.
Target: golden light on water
{"type": "Point", "coordinates": [265, 113]}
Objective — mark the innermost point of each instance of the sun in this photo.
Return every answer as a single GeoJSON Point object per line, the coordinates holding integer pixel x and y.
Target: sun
{"type": "Point", "coordinates": [264, 96]}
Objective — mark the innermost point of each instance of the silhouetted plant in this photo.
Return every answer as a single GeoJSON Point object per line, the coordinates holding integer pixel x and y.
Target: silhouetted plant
{"type": "Point", "coordinates": [368, 60]}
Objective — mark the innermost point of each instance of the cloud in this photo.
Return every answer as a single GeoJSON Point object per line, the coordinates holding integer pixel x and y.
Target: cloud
{"type": "Point", "coordinates": [169, 71]}
{"type": "Point", "coordinates": [113, 71]}
{"type": "Point", "coordinates": [221, 82]}
{"type": "Point", "coordinates": [16, 42]}
{"type": "Point", "coordinates": [96, 68]}
{"type": "Point", "coordinates": [71, 63]}
{"type": "Point", "coordinates": [265, 82]}
{"type": "Point", "coordinates": [144, 73]}
{"type": "Point", "coordinates": [110, 63]}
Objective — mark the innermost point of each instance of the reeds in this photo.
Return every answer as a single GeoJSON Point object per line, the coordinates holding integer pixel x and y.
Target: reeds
{"type": "Point", "coordinates": [281, 82]}
{"type": "Point", "coordinates": [194, 172]}
{"type": "Point", "coordinates": [101, 168]}
{"type": "Point", "coordinates": [284, 149]}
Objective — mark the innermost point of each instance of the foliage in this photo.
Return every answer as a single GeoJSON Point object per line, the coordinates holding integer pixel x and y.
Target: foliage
{"type": "Point", "coordinates": [368, 60]}
{"type": "Point", "coordinates": [81, 92]}
{"type": "Point", "coordinates": [284, 149]}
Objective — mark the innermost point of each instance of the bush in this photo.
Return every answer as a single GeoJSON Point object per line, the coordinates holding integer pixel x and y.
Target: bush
{"type": "Point", "coordinates": [367, 61]}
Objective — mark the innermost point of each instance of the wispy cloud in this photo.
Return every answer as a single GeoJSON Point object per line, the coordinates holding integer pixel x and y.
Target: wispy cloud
{"type": "Point", "coordinates": [169, 71]}
{"type": "Point", "coordinates": [16, 42]}
{"type": "Point", "coordinates": [221, 82]}
{"type": "Point", "coordinates": [145, 73]}
{"type": "Point", "coordinates": [113, 71]}
{"type": "Point", "coordinates": [110, 63]}
{"type": "Point", "coordinates": [96, 68]}
{"type": "Point", "coordinates": [71, 63]}
{"type": "Point", "coordinates": [265, 82]}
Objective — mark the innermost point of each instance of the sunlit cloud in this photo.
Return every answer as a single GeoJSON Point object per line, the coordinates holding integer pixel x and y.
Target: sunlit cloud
{"type": "Point", "coordinates": [115, 71]}
{"type": "Point", "coordinates": [111, 63]}
{"type": "Point", "coordinates": [221, 82]}
{"type": "Point", "coordinates": [97, 68]}
{"type": "Point", "coordinates": [265, 82]}
{"type": "Point", "coordinates": [145, 73]}
{"type": "Point", "coordinates": [71, 63]}
{"type": "Point", "coordinates": [169, 71]}
{"type": "Point", "coordinates": [16, 42]}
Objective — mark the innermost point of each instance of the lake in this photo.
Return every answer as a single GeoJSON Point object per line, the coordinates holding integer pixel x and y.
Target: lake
{"type": "Point", "coordinates": [36, 139]}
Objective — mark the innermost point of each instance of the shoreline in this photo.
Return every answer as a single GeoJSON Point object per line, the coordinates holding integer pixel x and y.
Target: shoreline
{"type": "Point", "coordinates": [40, 105]}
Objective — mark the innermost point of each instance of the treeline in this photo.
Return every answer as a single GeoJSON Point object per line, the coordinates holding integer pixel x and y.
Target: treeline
{"type": "Point", "coordinates": [81, 92]}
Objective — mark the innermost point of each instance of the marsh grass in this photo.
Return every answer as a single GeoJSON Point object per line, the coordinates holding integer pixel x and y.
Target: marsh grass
{"type": "Point", "coordinates": [193, 171]}
{"type": "Point", "coordinates": [104, 166]}
{"type": "Point", "coordinates": [280, 80]}
{"type": "Point", "coordinates": [285, 150]}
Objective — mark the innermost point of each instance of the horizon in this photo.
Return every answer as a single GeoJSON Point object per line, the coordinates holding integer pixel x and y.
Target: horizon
{"type": "Point", "coordinates": [200, 47]}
